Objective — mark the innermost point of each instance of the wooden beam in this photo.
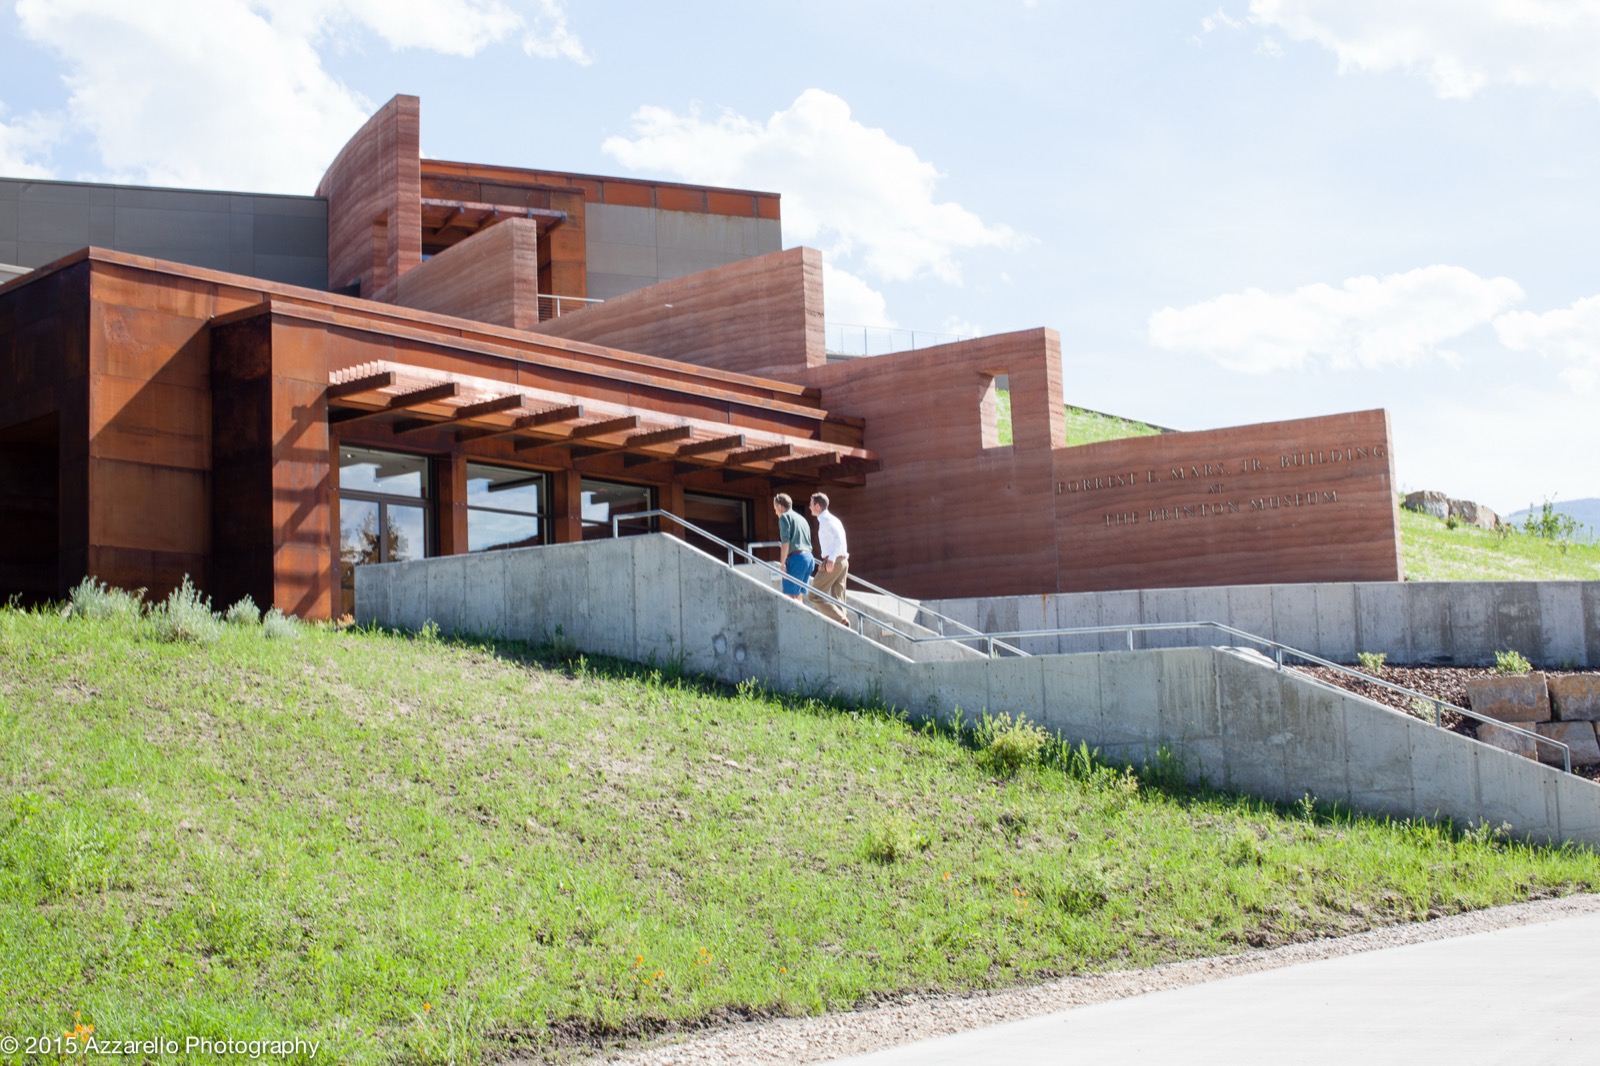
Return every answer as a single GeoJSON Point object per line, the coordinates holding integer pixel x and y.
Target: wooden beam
{"type": "Point", "coordinates": [660, 436]}
{"type": "Point", "coordinates": [600, 429]}
{"type": "Point", "coordinates": [547, 417]}
{"type": "Point", "coordinates": [804, 462]}
{"type": "Point", "coordinates": [705, 447]}
{"type": "Point", "coordinates": [757, 455]}
{"type": "Point", "coordinates": [370, 383]}
{"type": "Point", "coordinates": [404, 401]}
{"type": "Point", "coordinates": [462, 414]}
{"type": "Point", "coordinates": [849, 469]}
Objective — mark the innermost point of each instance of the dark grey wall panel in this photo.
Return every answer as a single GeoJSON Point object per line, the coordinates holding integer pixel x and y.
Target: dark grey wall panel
{"type": "Point", "coordinates": [279, 238]}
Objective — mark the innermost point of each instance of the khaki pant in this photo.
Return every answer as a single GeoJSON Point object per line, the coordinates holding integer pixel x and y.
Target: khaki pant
{"type": "Point", "coordinates": [831, 583]}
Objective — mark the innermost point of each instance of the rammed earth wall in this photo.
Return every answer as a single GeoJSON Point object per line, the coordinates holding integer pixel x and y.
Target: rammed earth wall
{"type": "Point", "coordinates": [1230, 716]}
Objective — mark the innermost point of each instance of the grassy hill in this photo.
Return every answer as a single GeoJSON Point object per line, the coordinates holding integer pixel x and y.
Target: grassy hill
{"type": "Point", "coordinates": [425, 852]}
{"type": "Point", "coordinates": [1431, 551]}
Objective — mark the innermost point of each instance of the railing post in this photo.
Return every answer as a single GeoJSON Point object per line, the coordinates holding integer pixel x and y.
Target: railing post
{"type": "Point", "coordinates": [1130, 638]}
{"type": "Point", "coordinates": [1277, 655]}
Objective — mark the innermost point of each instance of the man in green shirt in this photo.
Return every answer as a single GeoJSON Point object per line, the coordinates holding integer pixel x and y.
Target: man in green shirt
{"type": "Point", "coordinates": [794, 547]}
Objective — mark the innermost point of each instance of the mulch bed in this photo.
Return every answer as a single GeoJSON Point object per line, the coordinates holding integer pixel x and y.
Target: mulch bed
{"type": "Point", "coordinates": [1447, 683]}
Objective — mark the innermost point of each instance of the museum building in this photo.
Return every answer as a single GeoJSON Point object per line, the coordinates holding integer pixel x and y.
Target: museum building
{"type": "Point", "coordinates": [428, 358]}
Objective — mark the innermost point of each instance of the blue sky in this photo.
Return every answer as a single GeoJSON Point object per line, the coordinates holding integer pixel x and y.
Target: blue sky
{"type": "Point", "coordinates": [1233, 213]}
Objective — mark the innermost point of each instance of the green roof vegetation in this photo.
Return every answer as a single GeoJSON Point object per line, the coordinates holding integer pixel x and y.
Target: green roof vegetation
{"type": "Point", "coordinates": [425, 851]}
{"type": "Point", "coordinates": [1083, 426]}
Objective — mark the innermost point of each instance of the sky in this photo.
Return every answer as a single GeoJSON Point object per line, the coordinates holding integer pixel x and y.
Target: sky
{"type": "Point", "coordinates": [1233, 213]}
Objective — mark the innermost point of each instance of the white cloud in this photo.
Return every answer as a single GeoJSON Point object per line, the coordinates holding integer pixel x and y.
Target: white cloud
{"type": "Point", "coordinates": [551, 39]}
{"type": "Point", "coordinates": [1460, 46]}
{"type": "Point", "coordinates": [234, 93]}
{"type": "Point", "coordinates": [848, 299]}
{"type": "Point", "coordinates": [1366, 322]}
{"type": "Point", "coordinates": [1571, 335]}
{"type": "Point", "coordinates": [23, 143]}
{"type": "Point", "coordinates": [851, 189]}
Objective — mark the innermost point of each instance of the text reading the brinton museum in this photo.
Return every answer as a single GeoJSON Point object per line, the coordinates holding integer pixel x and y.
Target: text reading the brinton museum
{"type": "Point", "coordinates": [1221, 479]}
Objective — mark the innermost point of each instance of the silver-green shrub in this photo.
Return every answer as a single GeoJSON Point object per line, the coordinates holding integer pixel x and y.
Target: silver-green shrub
{"type": "Point", "coordinates": [185, 616]}
{"type": "Point", "coordinates": [95, 599]}
{"type": "Point", "coordinates": [243, 613]}
{"type": "Point", "coordinates": [279, 626]}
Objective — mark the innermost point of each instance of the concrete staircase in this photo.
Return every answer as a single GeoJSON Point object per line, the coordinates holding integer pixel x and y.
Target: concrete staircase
{"type": "Point", "coordinates": [1229, 716]}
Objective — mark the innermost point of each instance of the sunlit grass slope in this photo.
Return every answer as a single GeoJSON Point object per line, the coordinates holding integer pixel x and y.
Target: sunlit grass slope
{"type": "Point", "coordinates": [419, 851]}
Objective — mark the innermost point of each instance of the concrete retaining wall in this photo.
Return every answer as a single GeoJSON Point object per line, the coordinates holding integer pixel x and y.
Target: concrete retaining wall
{"type": "Point", "coordinates": [1553, 623]}
{"type": "Point", "coordinates": [1229, 715]}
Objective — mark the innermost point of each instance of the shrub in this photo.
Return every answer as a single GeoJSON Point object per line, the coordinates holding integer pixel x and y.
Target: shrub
{"type": "Point", "coordinates": [1511, 662]}
{"type": "Point", "coordinates": [1005, 745]}
{"type": "Point", "coordinates": [279, 626]}
{"type": "Point", "coordinates": [185, 616]}
{"type": "Point", "coordinates": [892, 839]}
{"type": "Point", "coordinates": [1372, 661]}
{"type": "Point", "coordinates": [1452, 521]}
{"type": "Point", "coordinates": [243, 613]}
{"type": "Point", "coordinates": [94, 599]}
{"type": "Point", "coordinates": [1550, 524]}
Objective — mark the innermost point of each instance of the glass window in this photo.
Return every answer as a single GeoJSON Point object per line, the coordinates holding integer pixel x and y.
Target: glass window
{"type": "Point", "coordinates": [604, 500]}
{"type": "Point", "coordinates": [719, 515]}
{"type": "Point", "coordinates": [505, 507]}
{"type": "Point", "coordinates": [386, 473]}
{"type": "Point", "coordinates": [385, 515]}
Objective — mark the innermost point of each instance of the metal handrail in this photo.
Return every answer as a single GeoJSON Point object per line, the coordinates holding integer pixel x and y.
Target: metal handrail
{"type": "Point", "coordinates": [733, 549]}
{"type": "Point", "coordinates": [993, 640]}
{"type": "Point", "coordinates": [921, 609]}
{"type": "Point", "coordinates": [1278, 652]}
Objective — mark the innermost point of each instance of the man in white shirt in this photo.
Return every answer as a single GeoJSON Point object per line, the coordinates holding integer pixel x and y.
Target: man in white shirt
{"type": "Point", "coordinates": [833, 560]}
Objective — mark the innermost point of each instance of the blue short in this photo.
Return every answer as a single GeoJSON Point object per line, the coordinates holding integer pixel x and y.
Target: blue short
{"type": "Point", "coordinates": [800, 566]}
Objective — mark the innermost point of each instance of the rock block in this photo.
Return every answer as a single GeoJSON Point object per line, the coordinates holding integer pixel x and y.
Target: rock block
{"type": "Point", "coordinates": [1434, 503]}
{"type": "Point", "coordinates": [1511, 699]}
{"type": "Point", "coordinates": [1579, 736]}
{"type": "Point", "coordinates": [1503, 738]}
{"type": "Point", "coordinates": [1575, 697]}
{"type": "Point", "coordinates": [1474, 514]}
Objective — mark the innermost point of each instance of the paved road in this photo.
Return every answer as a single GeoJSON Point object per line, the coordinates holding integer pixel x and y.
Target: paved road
{"type": "Point", "coordinates": [1525, 996]}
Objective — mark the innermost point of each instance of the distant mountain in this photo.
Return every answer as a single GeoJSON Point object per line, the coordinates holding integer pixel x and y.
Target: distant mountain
{"type": "Point", "coordinates": [1586, 512]}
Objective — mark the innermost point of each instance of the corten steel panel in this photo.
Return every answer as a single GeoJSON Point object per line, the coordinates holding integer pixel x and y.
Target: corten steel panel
{"type": "Point", "coordinates": [157, 572]}
{"type": "Point", "coordinates": [492, 276]}
{"type": "Point", "coordinates": [670, 199]}
{"type": "Point", "coordinates": [759, 316]}
{"type": "Point", "coordinates": [30, 509]}
{"type": "Point", "coordinates": [627, 193]}
{"type": "Point", "coordinates": [945, 512]}
{"type": "Point", "coordinates": [241, 500]}
{"type": "Point", "coordinates": [148, 422]}
{"type": "Point", "coordinates": [567, 245]}
{"type": "Point", "coordinates": [376, 182]}
{"type": "Point", "coordinates": [1277, 502]}
{"type": "Point", "coordinates": [742, 205]}
{"type": "Point", "coordinates": [595, 188]}
{"type": "Point", "coordinates": [149, 508]}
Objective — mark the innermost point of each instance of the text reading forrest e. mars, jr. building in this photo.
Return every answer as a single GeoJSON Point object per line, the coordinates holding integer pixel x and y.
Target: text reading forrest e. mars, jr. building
{"type": "Point", "coordinates": [428, 358]}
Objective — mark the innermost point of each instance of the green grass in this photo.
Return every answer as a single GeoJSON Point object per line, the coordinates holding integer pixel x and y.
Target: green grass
{"type": "Point", "coordinates": [420, 851]}
{"type": "Point", "coordinates": [1431, 551]}
{"type": "Point", "coordinates": [1083, 427]}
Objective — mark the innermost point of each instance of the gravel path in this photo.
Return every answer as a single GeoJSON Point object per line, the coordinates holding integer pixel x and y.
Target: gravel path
{"type": "Point", "coordinates": [800, 1040]}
